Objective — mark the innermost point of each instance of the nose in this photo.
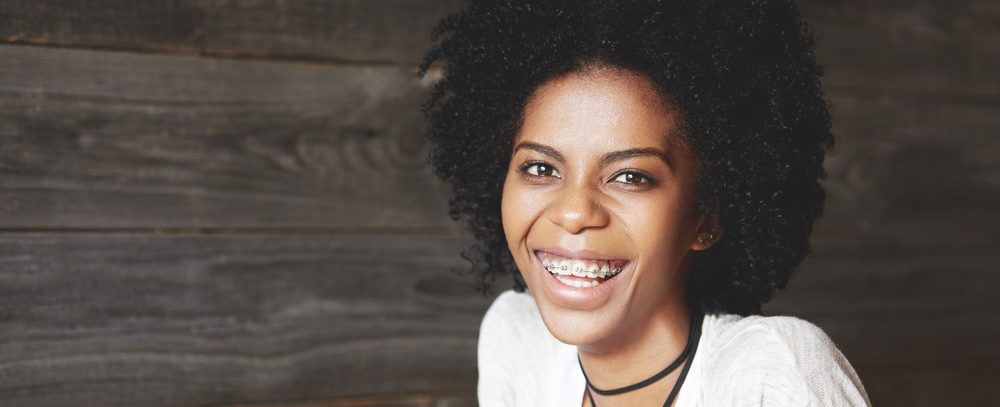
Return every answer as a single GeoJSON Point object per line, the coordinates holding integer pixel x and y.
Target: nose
{"type": "Point", "coordinates": [577, 209]}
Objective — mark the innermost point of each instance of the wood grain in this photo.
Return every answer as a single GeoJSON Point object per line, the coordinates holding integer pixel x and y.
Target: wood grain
{"type": "Point", "coordinates": [905, 173]}
{"type": "Point", "coordinates": [265, 122]}
{"type": "Point", "coordinates": [125, 320]}
{"type": "Point", "coordinates": [380, 401]}
{"type": "Point", "coordinates": [112, 140]}
{"type": "Point", "coordinates": [105, 140]}
{"type": "Point", "coordinates": [914, 46]}
{"type": "Point", "coordinates": [185, 320]}
{"type": "Point", "coordinates": [911, 69]}
{"type": "Point", "coordinates": [966, 20]}
{"type": "Point", "coordinates": [386, 31]}
{"type": "Point", "coordinates": [915, 318]}
{"type": "Point", "coordinates": [913, 171]}
{"type": "Point", "coordinates": [925, 47]}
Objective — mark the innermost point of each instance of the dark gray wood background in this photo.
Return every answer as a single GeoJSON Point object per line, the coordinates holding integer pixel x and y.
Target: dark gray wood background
{"type": "Point", "coordinates": [224, 202]}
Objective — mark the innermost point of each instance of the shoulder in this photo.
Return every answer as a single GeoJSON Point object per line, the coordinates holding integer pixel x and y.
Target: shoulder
{"type": "Point", "coordinates": [510, 306]}
{"type": "Point", "coordinates": [791, 335]}
{"type": "Point", "coordinates": [511, 318]}
{"type": "Point", "coordinates": [514, 351]}
{"type": "Point", "coordinates": [778, 361]}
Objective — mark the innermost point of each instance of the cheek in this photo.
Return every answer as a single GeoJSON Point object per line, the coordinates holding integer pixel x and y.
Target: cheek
{"type": "Point", "coordinates": [514, 212]}
{"type": "Point", "coordinates": [521, 208]}
{"type": "Point", "coordinates": [661, 228]}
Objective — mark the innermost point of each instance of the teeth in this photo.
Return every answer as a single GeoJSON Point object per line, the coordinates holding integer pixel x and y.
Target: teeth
{"type": "Point", "coordinates": [577, 283]}
{"type": "Point", "coordinates": [579, 268]}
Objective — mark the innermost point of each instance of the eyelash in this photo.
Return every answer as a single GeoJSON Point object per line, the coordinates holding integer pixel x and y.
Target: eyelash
{"type": "Point", "coordinates": [643, 177]}
{"type": "Point", "coordinates": [527, 165]}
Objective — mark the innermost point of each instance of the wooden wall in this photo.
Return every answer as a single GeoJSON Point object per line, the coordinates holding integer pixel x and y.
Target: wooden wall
{"type": "Point", "coordinates": [223, 202]}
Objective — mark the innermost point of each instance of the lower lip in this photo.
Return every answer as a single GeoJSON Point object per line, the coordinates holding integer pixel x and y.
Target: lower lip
{"type": "Point", "coordinates": [578, 297]}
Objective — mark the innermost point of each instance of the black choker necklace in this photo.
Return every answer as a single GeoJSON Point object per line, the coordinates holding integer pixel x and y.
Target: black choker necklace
{"type": "Point", "coordinates": [694, 334]}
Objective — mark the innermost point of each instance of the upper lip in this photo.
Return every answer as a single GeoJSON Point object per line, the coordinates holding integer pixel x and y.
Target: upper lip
{"type": "Point", "coordinates": [578, 254]}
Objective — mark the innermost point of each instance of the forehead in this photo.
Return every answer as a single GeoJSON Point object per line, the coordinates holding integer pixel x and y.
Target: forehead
{"type": "Point", "coordinates": [604, 108]}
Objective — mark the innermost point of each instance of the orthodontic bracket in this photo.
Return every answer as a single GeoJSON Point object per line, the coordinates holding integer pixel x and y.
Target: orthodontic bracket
{"type": "Point", "coordinates": [552, 268]}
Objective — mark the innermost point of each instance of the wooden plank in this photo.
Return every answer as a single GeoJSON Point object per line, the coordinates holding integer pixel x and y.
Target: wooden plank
{"type": "Point", "coordinates": [114, 140]}
{"type": "Point", "coordinates": [391, 31]}
{"type": "Point", "coordinates": [924, 46]}
{"type": "Point", "coordinates": [380, 401]}
{"type": "Point", "coordinates": [908, 68]}
{"type": "Point", "coordinates": [964, 20]}
{"type": "Point", "coordinates": [913, 171]}
{"type": "Point", "coordinates": [104, 140]}
{"type": "Point", "coordinates": [125, 320]}
{"type": "Point", "coordinates": [916, 319]}
{"type": "Point", "coordinates": [184, 320]}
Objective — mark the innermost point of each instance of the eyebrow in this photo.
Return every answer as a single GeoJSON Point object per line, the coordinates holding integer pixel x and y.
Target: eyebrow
{"type": "Point", "coordinates": [635, 152]}
{"type": "Point", "coordinates": [606, 159]}
{"type": "Point", "coordinates": [542, 149]}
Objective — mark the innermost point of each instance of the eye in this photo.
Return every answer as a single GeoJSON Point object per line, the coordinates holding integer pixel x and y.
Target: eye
{"type": "Point", "coordinates": [632, 178]}
{"type": "Point", "coordinates": [537, 169]}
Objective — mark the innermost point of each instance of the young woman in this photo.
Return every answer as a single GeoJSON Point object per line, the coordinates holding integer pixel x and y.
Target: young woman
{"type": "Point", "coordinates": [647, 173]}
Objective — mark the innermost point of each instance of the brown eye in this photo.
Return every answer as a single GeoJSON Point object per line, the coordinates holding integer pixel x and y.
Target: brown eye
{"type": "Point", "coordinates": [540, 170]}
{"type": "Point", "coordinates": [632, 178]}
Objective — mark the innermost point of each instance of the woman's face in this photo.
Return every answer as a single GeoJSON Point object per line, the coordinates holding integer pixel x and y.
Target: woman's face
{"type": "Point", "coordinates": [598, 205]}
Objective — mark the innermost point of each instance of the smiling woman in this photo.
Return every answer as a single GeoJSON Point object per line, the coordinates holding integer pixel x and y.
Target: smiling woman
{"type": "Point", "coordinates": [648, 171]}
{"type": "Point", "coordinates": [595, 185]}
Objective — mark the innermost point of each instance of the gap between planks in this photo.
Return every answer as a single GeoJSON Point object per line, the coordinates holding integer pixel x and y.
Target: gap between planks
{"type": "Point", "coordinates": [247, 231]}
{"type": "Point", "coordinates": [203, 54]}
{"type": "Point", "coordinates": [910, 95]}
{"type": "Point", "coordinates": [831, 90]}
{"type": "Point", "coordinates": [414, 400]}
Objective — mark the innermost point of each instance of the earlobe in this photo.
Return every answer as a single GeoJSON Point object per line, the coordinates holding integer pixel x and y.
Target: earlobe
{"type": "Point", "coordinates": [704, 241]}
{"type": "Point", "coordinates": [708, 232]}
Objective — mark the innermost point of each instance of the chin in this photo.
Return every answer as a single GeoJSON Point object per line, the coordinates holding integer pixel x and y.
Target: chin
{"type": "Point", "coordinates": [579, 327]}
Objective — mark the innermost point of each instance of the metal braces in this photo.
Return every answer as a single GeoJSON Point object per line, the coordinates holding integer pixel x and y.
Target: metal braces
{"type": "Point", "coordinates": [552, 267]}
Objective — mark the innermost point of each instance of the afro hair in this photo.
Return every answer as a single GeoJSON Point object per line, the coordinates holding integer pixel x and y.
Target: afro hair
{"type": "Point", "coordinates": [742, 74]}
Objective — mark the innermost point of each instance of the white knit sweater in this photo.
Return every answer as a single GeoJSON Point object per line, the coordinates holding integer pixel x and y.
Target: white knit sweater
{"type": "Point", "coordinates": [740, 361]}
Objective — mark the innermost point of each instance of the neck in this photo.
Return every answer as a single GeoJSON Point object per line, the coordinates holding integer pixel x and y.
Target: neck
{"type": "Point", "coordinates": [646, 348]}
{"type": "Point", "coordinates": [640, 351]}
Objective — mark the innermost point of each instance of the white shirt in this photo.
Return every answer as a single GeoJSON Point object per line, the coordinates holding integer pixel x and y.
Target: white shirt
{"type": "Point", "coordinates": [740, 361]}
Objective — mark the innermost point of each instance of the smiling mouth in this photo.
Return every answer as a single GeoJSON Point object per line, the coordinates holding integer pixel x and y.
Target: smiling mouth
{"type": "Point", "coordinates": [580, 273]}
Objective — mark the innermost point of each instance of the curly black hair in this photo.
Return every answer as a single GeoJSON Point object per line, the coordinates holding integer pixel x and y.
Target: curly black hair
{"type": "Point", "coordinates": [741, 72]}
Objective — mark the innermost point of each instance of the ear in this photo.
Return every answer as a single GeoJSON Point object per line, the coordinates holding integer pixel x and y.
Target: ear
{"type": "Point", "coordinates": [709, 231]}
